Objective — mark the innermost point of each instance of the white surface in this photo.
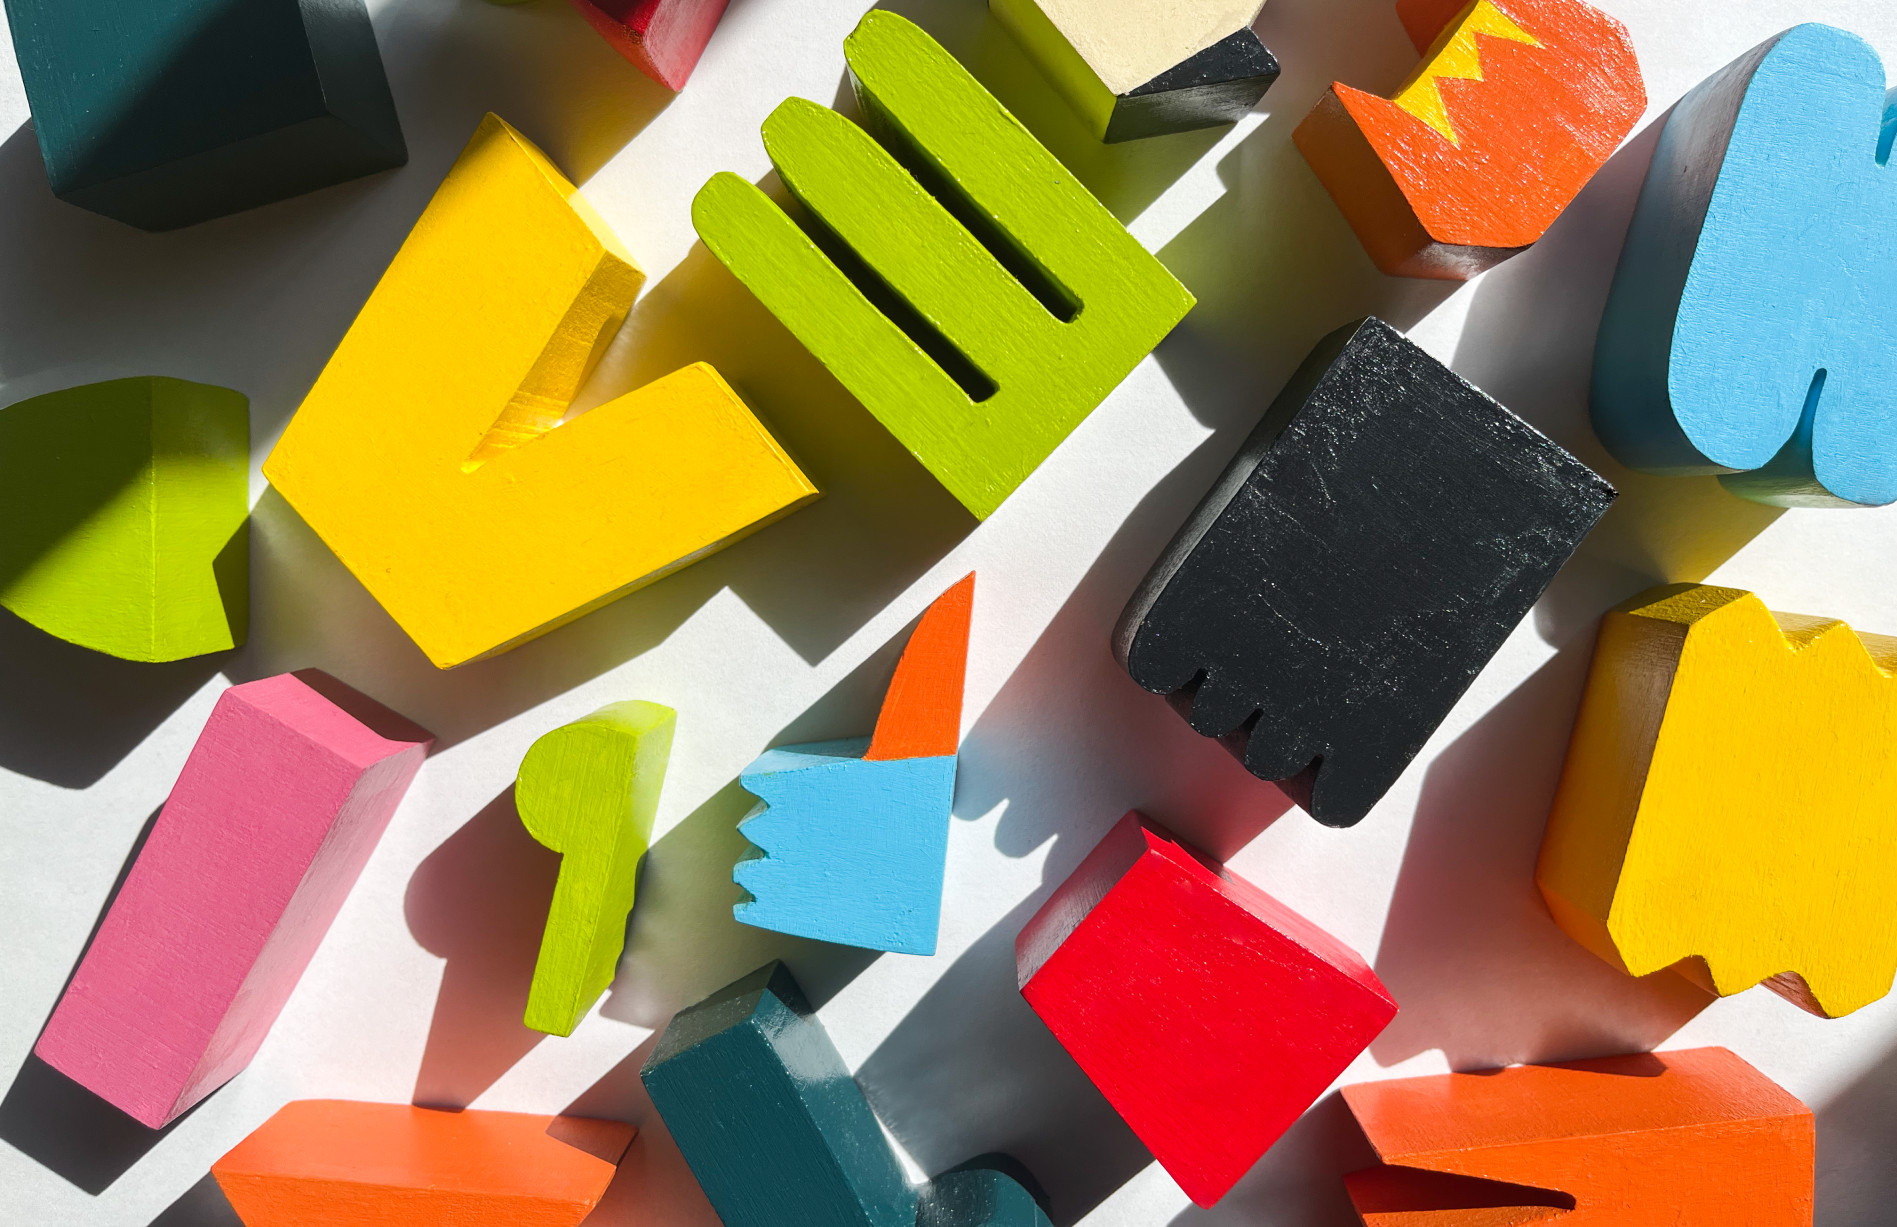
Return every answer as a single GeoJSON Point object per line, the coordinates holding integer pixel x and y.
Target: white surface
{"type": "Point", "coordinates": [417, 990]}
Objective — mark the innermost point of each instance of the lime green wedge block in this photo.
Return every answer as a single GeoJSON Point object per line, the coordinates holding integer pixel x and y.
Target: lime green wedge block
{"type": "Point", "coordinates": [123, 508]}
{"type": "Point", "coordinates": [590, 790]}
{"type": "Point", "coordinates": [1004, 317]}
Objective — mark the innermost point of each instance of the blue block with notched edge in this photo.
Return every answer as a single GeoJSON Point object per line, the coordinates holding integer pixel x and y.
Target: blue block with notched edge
{"type": "Point", "coordinates": [164, 113]}
{"type": "Point", "coordinates": [852, 849]}
{"type": "Point", "coordinates": [1752, 326]}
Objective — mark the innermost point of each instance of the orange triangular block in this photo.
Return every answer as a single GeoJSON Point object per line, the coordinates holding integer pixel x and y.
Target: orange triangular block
{"type": "Point", "coordinates": [1691, 1139]}
{"type": "Point", "coordinates": [922, 713]}
{"type": "Point", "coordinates": [346, 1164]}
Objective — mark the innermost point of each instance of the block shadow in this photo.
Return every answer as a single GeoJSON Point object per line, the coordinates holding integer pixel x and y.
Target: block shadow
{"type": "Point", "coordinates": [682, 941]}
{"type": "Point", "coordinates": [1125, 177]}
{"type": "Point", "coordinates": [1469, 950]}
{"type": "Point", "coordinates": [68, 715]}
{"type": "Point", "coordinates": [201, 1205]}
{"type": "Point", "coordinates": [1529, 342]}
{"type": "Point", "coordinates": [480, 901]}
{"type": "Point", "coordinates": [1857, 1182]}
{"type": "Point", "coordinates": [654, 1185]}
{"type": "Point", "coordinates": [1300, 1179]}
{"type": "Point", "coordinates": [971, 1070]}
{"type": "Point", "coordinates": [1273, 264]}
{"type": "Point", "coordinates": [60, 1124]}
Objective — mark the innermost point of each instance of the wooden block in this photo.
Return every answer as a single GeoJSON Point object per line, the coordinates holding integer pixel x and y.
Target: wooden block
{"type": "Point", "coordinates": [1209, 1014]}
{"type": "Point", "coordinates": [345, 1164]}
{"type": "Point", "coordinates": [1691, 1139]}
{"type": "Point", "coordinates": [776, 1131]}
{"type": "Point", "coordinates": [163, 115]}
{"type": "Point", "coordinates": [1730, 799]}
{"type": "Point", "coordinates": [1139, 68]}
{"type": "Point", "coordinates": [279, 805]}
{"type": "Point", "coordinates": [1748, 329]}
{"type": "Point", "coordinates": [664, 38]}
{"type": "Point", "coordinates": [427, 454]}
{"type": "Point", "coordinates": [1361, 559]}
{"type": "Point", "coordinates": [850, 837]}
{"type": "Point", "coordinates": [1514, 107]}
{"type": "Point", "coordinates": [125, 505]}
{"type": "Point", "coordinates": [988, 361]}
{"type": "Point", "coordinates": [589, 790]}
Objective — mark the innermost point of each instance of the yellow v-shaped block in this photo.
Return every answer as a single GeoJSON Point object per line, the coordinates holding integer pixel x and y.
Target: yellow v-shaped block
{"type": "Point", "coordinates": [430, 455]}
{"type": "Point", "coordinates": [1457, 56]}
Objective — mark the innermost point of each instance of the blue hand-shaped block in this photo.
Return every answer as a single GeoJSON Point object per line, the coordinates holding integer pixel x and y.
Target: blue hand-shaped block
{"type": "Point", "coordinates": [1752, 327]}
{"type": "Point", "coordinates": [852, 848]}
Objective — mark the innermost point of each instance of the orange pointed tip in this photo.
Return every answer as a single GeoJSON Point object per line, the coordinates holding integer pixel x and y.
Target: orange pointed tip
{"type": "Point", "coordinates": [348, 1164]}
{"type": "Point", "coordinates": [922, 713]}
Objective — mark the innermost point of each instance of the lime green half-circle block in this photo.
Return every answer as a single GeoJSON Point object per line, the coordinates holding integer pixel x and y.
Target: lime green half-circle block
{"type": "Point", "coordinates": [123, 508]}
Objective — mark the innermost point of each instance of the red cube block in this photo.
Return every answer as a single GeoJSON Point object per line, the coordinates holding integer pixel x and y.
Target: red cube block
{"type": "Point", "coordinates": [1209, 1014]}
{"type": "Point", "coordinates": [664, 38]}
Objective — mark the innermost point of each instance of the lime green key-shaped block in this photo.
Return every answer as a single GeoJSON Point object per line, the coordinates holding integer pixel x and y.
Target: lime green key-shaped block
{"type": "Point", "coordinates": [589, 791]}
{"type": "Point", "coordinates": [123, 508]}
{"type": "Point", "coordinates": [1004, 302]}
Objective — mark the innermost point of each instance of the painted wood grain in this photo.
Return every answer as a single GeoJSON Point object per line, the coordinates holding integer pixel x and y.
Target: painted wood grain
{"type": "Point", "coordinates": [1729, 803]}
{"type": "Point", "coordinates": [1209, 1014]}
{"type": "Point", "coordinates": [1362, 558]}
{"type": "Point", "coordinates": [282, 800]}
{"type": "Point", "coordinates": [431, 456]}
{"type": "Point", "coordinates": [126, 507]}
{"type": "Point", "coordinates": [1003, 338]}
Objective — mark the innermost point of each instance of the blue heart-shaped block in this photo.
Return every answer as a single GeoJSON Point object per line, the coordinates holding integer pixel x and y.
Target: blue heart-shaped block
{"type": "Point", "coordinates": [1752, 327]}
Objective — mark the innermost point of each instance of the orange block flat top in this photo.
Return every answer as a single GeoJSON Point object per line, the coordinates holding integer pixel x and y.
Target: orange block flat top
{"type": "Point", "coordinates": [922, 712]}
{"type": "Point", "coordinates": [1409, 1118]}
{"type": "Point", "coordinates": [345, 1163]}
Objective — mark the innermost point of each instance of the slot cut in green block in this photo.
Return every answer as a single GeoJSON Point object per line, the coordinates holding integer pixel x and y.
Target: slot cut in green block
{"type": "Point", "coordinates": [1004, 302]}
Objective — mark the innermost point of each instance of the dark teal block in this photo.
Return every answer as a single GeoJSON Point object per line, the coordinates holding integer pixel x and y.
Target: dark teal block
{"type": "Point", "coordinates": [165, 113]}
{"type": "Point", "coordinates": [777, 1132]}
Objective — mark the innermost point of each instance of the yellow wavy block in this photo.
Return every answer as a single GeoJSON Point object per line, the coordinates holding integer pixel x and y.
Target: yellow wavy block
{"type": "Point", "coordinates": [1729, 804]}
{"type": "Point", "coordinates": [430, 455]}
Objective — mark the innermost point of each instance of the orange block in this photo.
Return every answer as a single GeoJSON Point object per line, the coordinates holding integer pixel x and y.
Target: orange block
{"type": "Point", "coordinates": [922, 709]}
{"type": "Point", "coordinates": [347, 1164]}
{"type": "Point", "coordinates": [1696, 1138]}
{"type": "Point", "coordinates": [1515, 106]}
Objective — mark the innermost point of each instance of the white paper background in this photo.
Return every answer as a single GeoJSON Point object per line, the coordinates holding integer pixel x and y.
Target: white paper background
{"type": "Point", "coordinates": [787, 636]}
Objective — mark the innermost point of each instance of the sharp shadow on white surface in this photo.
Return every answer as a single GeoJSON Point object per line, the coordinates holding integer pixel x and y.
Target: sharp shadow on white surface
{"type": "Point", "coordinates": [1470, 952]}
{"type": "Point", "coordinates": [1299, 1182]}
{"type": "Point", "coordinates": [479, 901]}
{"type": "Point", "coordinates": [1125, 177]}
{"type": "Point", "coordinates": [1529, 342]}
{"type": "Point", "coordinates": [201, 1205]}
{"type": "Point", "coordinates": [58, 1123]}
{"type": "Point", "coordinates": [1273, 264]}
{"type": "Point", "coordinates": [682, 941]}
{"type": "Point", "coordinates": [1857, 1179]}
{"type": "Point", "coordinates": [68, 714]}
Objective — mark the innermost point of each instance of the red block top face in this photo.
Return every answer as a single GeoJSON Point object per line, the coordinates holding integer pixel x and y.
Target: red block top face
{"type": "Point", "coordinates": [1209, 1014]}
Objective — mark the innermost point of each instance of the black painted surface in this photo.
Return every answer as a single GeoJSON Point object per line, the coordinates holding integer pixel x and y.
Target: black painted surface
{"type": "Point", "coordinates": [1375, 540]}
{"type": "Point", "coordinates": [1220, 85]}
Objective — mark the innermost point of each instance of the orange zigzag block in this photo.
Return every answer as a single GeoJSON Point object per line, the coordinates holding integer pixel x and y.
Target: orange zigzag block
{"type": "Point", "coordinates": [922, 710]}
{"type": "Point", "coordinates": [1696, 1138]}
{"type": "Point", "coordinates": [347, 1164]}
{"type": "Point", "coordinates": [1515, 106]}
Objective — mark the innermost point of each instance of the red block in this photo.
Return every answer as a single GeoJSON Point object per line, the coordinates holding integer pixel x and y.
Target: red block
{"type": "Point", "coordinates": [1209, 1014]}
{"type": "Point", "coordinates": [663, 37]}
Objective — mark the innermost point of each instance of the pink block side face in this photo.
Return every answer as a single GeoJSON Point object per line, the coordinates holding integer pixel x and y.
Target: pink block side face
{"type": "Point", "coordinates": [664, 38]}
{"type": "Point", "coordinates": [1208, 1013]}
{"type": "Point", "coordinates": [289, 787]}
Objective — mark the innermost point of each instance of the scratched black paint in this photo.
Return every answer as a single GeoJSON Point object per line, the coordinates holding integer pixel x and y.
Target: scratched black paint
{"type": "Point", "coordinates": [1219, 85]}
{"type": "Point", "coordinates": [1377, 537]}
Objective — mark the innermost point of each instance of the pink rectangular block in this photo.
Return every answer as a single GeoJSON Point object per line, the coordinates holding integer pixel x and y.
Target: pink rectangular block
{"type": "Point", "coordinates": [277, 810]}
